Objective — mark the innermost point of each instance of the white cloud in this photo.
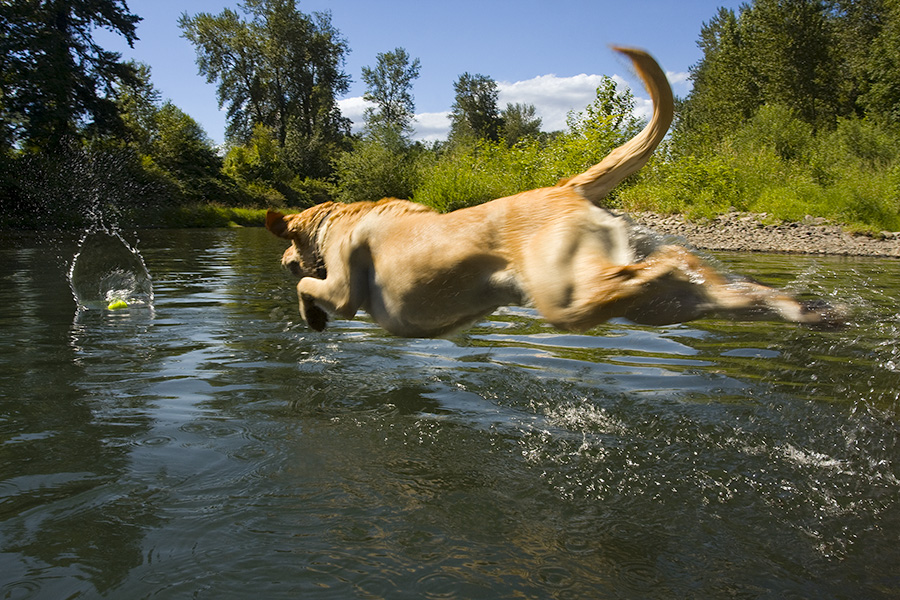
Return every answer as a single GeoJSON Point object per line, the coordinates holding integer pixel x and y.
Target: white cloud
{"type": "Point", "coordinates": [552, 96]}
{"type": "Point", "coordinates": [643, 108]}
{"type": "Point", "coordinates": [679, 80]}
{"type": "Point", "coordinates": [431, 127]}
{"type": "Point", "coordinates": [353, 109]}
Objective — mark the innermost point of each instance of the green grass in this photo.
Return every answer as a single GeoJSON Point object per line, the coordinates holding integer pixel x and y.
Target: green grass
{"type": "Point", "coordinates": [849, 175]}
{"type": "Point", "coordinates": [197, 215]}
{"type": "Point", "coordinates": [859, 197]}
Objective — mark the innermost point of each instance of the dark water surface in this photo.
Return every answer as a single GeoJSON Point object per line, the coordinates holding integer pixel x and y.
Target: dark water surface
{"type": "Point", "coordinates": [210, 446]}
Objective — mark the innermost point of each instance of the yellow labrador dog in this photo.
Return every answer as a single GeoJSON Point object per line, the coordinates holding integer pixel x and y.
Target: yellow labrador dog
{"type": "Point", "coordinates": [420, 273]}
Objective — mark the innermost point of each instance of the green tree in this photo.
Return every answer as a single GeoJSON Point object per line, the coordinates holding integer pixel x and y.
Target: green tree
{"type": "Point", "coordinates": [607, 122]}
{"type": "Point", "coordinates": [181, 146]}
{"type": "Point", "coordinates": [260, 168]}
{"type": "Point", "coordinates": [55, 81]}
{"type": "Point", "coordinates": [389, 88]}
{"type": "Point", "coordinates": [138, 103]}
{"type": "Point", "coordinates": [169, 145]}
{"type": "Point", "coordinates": [383, 164]}
{"type": "Point", "coordinates": [229, 50]}
{"type": "Point", "coordinates": [792, 45]}
{"type": "Point", "coordinates": [775, 128]}
{"type": "Point", "coordinates": [472, 173]}
{"type": "Point", "coordinates": [610, 114]}
{"type": "Point", "coordinates": [519, 122]}
{"type": "Point", "coordinates": [281, 69]}
{"type": "Point", "coordinates": [882, 66]}
{"type": "Point", "coordinates": [820, 59]}
{"type": "Point", "coordinates": [474, 114]}
{"type": "Point", "coordinates": [259, 162]}
{"type": "Point", "coordinates": [857, 25]}
{"type": "Point", "coordinates": [725, 84]}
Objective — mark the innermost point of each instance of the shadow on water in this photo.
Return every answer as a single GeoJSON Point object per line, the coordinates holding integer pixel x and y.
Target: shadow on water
{"type": "Point", "coordinates": [215, 447]}
{"type": "Point", "coordinates": [70, 511]}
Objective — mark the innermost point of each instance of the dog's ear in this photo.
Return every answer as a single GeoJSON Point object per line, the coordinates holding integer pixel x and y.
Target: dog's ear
{"type": "Point", "coordinates": [276, 223]}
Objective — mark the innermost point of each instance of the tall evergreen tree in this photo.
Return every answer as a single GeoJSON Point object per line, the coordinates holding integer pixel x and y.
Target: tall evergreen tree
{"type": "Point", "coordinates": [138, 103]}
{"type": "Point", "coordinates": [882, 66]}
{"type": "Point", "coordinates": [857, 24]}
{"type": "Point", "coordinates": [725, 85]}
{"type": "Point", "coordinates": [56, 82]}
{"type": "Point", "coordinates": [792, 44]}
{"type": "Point", "coordinates": [819, 59]}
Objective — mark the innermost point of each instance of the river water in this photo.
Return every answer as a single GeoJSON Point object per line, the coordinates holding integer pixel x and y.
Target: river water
{"type": "Point", "coordinates": [205, 444]}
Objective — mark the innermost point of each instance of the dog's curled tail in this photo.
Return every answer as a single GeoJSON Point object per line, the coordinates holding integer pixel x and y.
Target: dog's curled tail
{"type": "Point", "coordinates": [595, 183]}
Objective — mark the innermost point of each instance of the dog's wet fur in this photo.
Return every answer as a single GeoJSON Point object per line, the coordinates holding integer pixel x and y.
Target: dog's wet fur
{"type": "Point", "coordinates": [420, 273]}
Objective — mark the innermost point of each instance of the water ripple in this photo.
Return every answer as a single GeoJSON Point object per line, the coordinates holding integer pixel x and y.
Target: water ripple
{"type": "Point", "coordinates": [218, 447]}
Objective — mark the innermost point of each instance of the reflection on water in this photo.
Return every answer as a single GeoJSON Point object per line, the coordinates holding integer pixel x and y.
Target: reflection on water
{"type": "Point", "coordinates": [215, 447]}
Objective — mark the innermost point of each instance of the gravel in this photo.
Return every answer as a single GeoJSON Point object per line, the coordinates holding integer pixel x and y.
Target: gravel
{"type": "Point", "coordinates": [748, 232]}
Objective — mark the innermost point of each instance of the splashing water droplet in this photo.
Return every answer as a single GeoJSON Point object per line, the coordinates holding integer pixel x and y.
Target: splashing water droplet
{"type": "Point", "coordinates": [106, 272]}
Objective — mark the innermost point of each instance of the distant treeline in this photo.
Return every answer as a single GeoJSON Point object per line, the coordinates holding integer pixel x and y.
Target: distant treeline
{"type": "Point", "coordinates": [795, 110]}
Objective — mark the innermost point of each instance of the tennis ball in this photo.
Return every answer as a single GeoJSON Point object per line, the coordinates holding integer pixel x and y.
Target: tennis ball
{"type": "Point", "coordinates": [117, 304]}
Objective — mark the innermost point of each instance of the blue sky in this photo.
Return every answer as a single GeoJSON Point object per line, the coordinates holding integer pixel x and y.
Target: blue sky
{"type": "Point", "coordinates": [550, 53]}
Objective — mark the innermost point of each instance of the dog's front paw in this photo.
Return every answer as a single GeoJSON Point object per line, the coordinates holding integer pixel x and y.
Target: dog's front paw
{"type": "Point", "coordinates": [314, 316]}
{"type": "Point", "coordinates": [317, 318]}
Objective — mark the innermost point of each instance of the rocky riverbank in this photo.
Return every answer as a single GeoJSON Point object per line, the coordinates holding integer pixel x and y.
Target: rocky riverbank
{"type": "Point", "coordinates": [748, 232]}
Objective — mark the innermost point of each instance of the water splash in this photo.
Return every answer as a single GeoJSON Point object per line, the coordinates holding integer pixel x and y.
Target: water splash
{"type": "Point", "coordinates": [108, 273]}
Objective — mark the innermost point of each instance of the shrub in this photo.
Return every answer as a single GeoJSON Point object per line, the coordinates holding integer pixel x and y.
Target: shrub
{"type": "Point", "coordinates": [470, 175]}
{"type": "Point", "coordinates": [776, 164]}
{"type": "Point", "coordinates": [378, 166]}
{"type": "Point", "coordinates": [473, 173]}
{"type": "Point", "coordinates": [775, 127]}
{"type": "Point", "coordinates": [690, 185]}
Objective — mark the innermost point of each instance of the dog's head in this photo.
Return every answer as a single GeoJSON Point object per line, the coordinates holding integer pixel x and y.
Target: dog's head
{"type": "Point", "coordinates": [303, 258]}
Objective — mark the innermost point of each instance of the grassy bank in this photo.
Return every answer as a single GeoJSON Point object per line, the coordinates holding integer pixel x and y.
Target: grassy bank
{"type": "Point", "coordinates": [196, 215]}
{"type": "Point", "coordinates": [776, 165]}
{"type": "Point", "coordinates": [780, 166]}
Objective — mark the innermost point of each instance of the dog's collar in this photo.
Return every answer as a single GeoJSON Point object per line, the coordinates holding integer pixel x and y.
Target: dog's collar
{"type": "Point", "coordinates": [319, 237]}
{"type": "Point", "coordinates": [321, 271]}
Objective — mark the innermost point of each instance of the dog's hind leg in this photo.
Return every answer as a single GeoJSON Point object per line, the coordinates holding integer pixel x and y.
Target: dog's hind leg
{"type": "Point", "coordinates": [671, 286]}
{"type": "Point", "coordinates": [694, 287]}
{"type": "Point", "coordinates": [660, 290]}
{"type": "Point", "coordinates": [744, 299]}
